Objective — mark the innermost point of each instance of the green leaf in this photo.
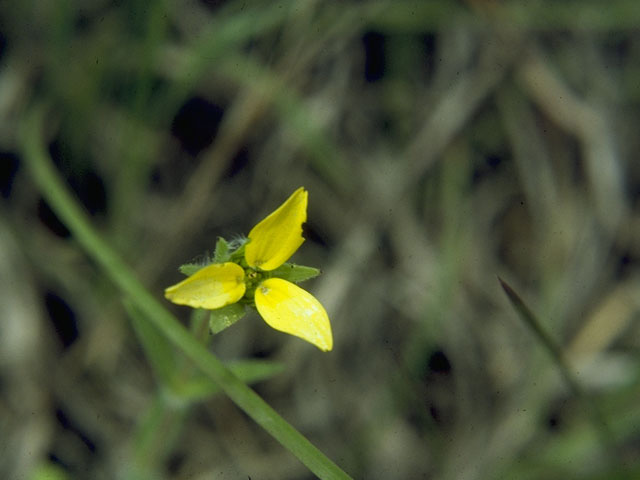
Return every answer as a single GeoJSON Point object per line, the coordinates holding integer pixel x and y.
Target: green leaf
{"type": "Point", "coordinates": [189, 269]}
{"type": "Point", "coordinates": [221, 253]}
{"type": "Point", "coordinates": [161, 354]}
{"type": "Point", "coordinates": [249, 371]}
{"type": "Point", "coordinates": [295, 273]}
{"type": "Point", "coordinates": [224, 317]}
{"type": "Point", "coordinates": [237, 251]}
{"type": "Point", "coordinates": [49, 471]}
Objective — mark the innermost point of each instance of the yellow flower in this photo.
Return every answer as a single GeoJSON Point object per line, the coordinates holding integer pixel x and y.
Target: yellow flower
{"type": "Point", "coordinates": [252, 276]}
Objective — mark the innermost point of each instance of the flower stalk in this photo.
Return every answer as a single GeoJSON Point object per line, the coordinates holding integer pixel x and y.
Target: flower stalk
{"type": "Point", "coordinates": [69, 211]}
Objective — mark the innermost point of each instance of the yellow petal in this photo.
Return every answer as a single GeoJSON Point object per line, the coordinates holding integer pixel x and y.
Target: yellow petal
{"type": "Point", "coordinates": [290, 309]}
{"type": "Point", "coordinates": [278, 236]}
{"type": "Point", "coordinates": [211, 287]}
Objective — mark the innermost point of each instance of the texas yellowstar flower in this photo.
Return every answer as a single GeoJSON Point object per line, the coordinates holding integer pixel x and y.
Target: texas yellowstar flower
{"type": "Point", "coordinates": [256, 274]}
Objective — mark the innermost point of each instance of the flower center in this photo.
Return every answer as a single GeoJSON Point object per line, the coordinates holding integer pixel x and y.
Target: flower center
{"type": "Point", "coordinates": [252, 278]}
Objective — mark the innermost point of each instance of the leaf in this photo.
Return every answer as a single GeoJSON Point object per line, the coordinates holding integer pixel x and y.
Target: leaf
{"type": "Point", "coordinates": [237, 251]}
{"type": "Point", "coordinates": [224, 317]}
{"type": "Point", "coordinates": [49, 471]}
{"type": "Point", "coordinates": [189, 269]}
{"type": "Point", "coordinates": [221, 253]}
{"type": "Point", "coordinates": [161, 354]}
{"type": "Point", "coordinates": [295, 273]}
{"type": "Point", "coordinates": [249, 371]}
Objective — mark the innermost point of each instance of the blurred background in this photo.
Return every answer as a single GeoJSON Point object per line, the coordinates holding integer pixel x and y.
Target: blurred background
{"type": "Point", "coordinates": [443, 143]}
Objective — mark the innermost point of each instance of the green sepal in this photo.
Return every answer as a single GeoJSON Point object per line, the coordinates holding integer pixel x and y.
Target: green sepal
{"type": "Point", "coordinates": [189, 269]}
{"type": "Point", "coordinates": [237, 251]}
{"type": "Point", "coordinates": [232, 251]}
{"type": "Point", "coordinates": [294, 273]}
{"type": "Point", "coordinates": [221, 253]}
{"type": "Point", "coordinates": [224, 317]}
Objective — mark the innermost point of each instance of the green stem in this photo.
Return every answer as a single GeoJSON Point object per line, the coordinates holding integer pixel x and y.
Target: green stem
{"type": "Point", "coordinates": [62, 202]}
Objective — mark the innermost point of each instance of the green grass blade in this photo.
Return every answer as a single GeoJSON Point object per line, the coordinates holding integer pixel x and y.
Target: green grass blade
{"type": "Point", "coordinates": [248, 371]}
{"type": "Point", "coordinates": [597, 417]}
{"type": "Point", "coordinates": [76, 220]}
{"type": "Point", "coordinates": [161, 354]}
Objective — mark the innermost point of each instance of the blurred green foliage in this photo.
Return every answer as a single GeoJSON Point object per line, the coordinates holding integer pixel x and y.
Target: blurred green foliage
{"type": "Point", "coordinates": [442, 142]}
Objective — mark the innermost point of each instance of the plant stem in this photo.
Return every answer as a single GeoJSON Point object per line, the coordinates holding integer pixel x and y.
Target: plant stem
{"type": "Point", "coordinates": [76, 220]}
